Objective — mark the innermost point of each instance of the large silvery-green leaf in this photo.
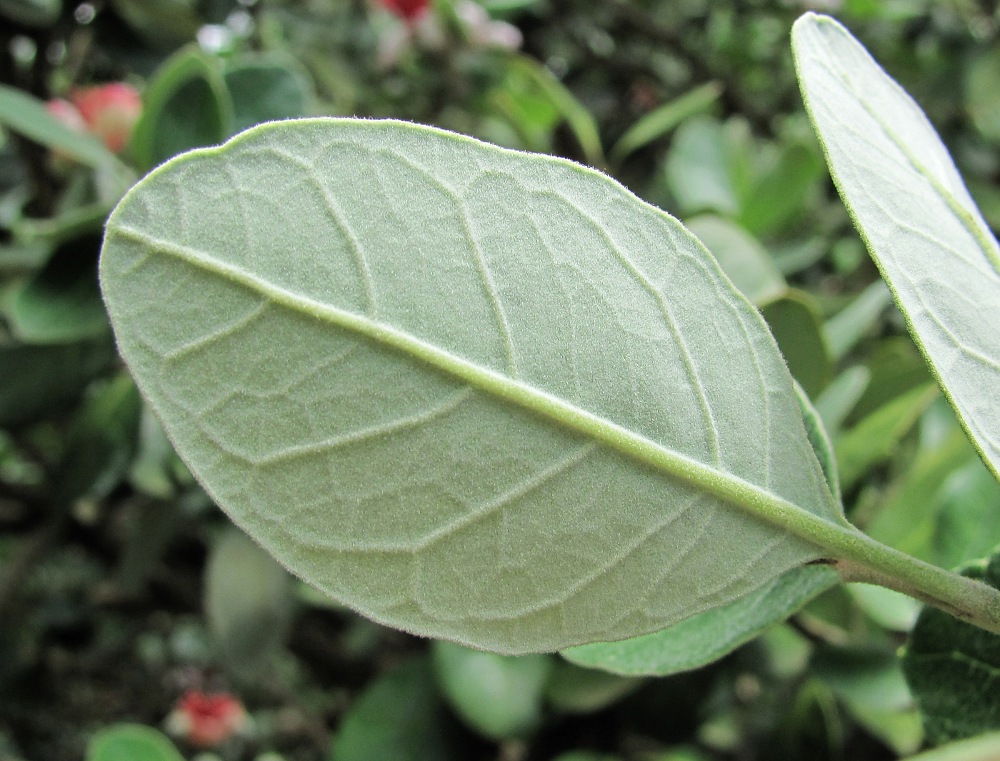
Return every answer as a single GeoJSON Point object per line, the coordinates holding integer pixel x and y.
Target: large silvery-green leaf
{"type": "Point", "coordinates": [473, 393]}
{"type": "Point", "coordinates": [920, 224]}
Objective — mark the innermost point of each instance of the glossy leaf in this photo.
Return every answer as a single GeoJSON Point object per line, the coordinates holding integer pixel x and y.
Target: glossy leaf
{"type": "Point", "coordinates": [915, 214]}
{"type": "Point", "coordinates": [562, 397]}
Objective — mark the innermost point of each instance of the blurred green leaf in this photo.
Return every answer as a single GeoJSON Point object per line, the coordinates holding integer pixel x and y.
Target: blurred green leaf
{"type": "Point", "coordinates": [784, 191]}
{"type": "Point", "coordinates": [895, 367]}
{"type": "Point", "coordinates": [982, 93]}
{"type": "Point", "coordinates": [741, 256]}
{"type": "Point", "coordinates": [499, 696]}
{"type": "Point", "coordinates": [701, 170]}
{"type": "Point", "coordinates": [265, 87]}
{"type": "Point", "coordinates": [249, 621]}
{"type": "Point", "coordinates": [953, 669]}
{"type": "Point", "coordinates": [162, 24]}
{"type": "Point", "coordinates": [797, 325]}
{"type": "Point", "coordinates": [573, 689]}
{"type": "Point", "coordinates": [186, 105]}
{"type": "Point", "coordinates": [870, 683]}
{"type": "Point", "coordinates": [28, 116]}
{"type": "Point", "coordinates": [841, 395]}
{"type": "Point", "coordinates": [852, 323]}
{"type": "Point", "coordinates": [580, 121]}
{"type": "Point", "coordinates": [40, 13]}
{"type": "Point", "coordinates": [62, 303]}
{"type": "Point", "coordinates": [34, 380]}
{"type": "Point", "coordinates": [100, 442]}
{"type": "Point", "coordinates": [662, 120]}
{"type": "Point", "coordinates": [890, 610]}
{"type": "Point", "coordinates": [875, 438]}
{"type": "Point", "coordinates": [983, 748]}
{"type": "Point", "coordinates": [74, 223]}
{"type": "Point", "coordinates": [131, 742]}
{"type": "Point", "coordinates": [400, 716]}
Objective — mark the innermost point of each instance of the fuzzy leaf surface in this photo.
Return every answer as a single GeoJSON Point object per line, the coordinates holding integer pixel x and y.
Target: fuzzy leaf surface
{"type": "Point", "coordinates": [916, 216]}
{"type": "Point", "coordinates": [473, 393]}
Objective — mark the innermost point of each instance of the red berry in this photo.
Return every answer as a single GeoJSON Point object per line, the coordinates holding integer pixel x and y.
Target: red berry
{"type": "Point", "coordinates": [205, 720]}
{"type": "Point", "coordinates": [409, 10]}
{"type": "Point", "coordinates": [109, 111]}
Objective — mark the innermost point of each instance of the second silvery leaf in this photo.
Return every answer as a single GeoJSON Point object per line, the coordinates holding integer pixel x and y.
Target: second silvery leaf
{"type": "Point", "coordinates": [916, 216]}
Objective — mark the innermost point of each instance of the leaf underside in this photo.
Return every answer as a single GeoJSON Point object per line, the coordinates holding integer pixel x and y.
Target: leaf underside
{"type": "Point", "coordinates": [418, 370]}
{"type": "Point", "coordinates": [916, 216]}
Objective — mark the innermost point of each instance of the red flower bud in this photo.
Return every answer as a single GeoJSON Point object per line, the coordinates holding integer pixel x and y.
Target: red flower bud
{"type": "Point", "coordinates": [109, 111]}
{"type": "Point", "coordinates": [207, 721]}
{"type": "Point", "coordinates": [408, 10]}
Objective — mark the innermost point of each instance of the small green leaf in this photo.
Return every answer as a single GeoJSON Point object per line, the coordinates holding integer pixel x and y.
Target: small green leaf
{"type": "Point", "coordinates": [399, 717]}
{"type": "Point", "coordinates": [916, 216]}
{"type": "Point", "coordinates": [563, 397]}
{"type": "Point", "coordinates": [954, 669]}
{"type": "Point", "coordinates": [131, 742]}
{"type": "Point", "coordinates": [499, 696]}
{"type": "Point", "coordinates": [186, 105]}
{"type": "Point", "coordinates": [783, 191]}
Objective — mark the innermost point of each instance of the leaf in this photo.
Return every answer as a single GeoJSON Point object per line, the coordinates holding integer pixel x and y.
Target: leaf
{"type": "Point", "coordinates": [265, 87]}
{"type": "Point", "coordinates": [28, 116]}
{"type": "Point", "coordinates": [701, 170]}
{"type": "Point", "coordinates": [186, 105]}
{"type": "Point", "coordinates": [846, 328]}
{"type": "Point", "coordinates": [983, 748]}
{"type": "Point", "coordinates": [708, 636]}
{"type": "Point", "coordinates": [741, 257]}
{"type": "Point", "coordinates": [474, 393]}
{"type": "Point", "coordinates": [919, 222]}
{"type": "Point", "coordinates": [572, 689]}
{"type": "Point", "coordinates": [954, 669]}
{"type": "Point", "coordinates": [705, 638]}
{"type": "Point", "coordinates": [498, 696]}
{"type": "Point", "coordinates": [795, 321]}
{"type": "Point", "coordinates": [877, 436]}
{"type": "Point", "coordinates": [62, 303]}
{"type": "Point", "coordinates": [36, 379]}
{"type": "Point", "coordinates": [248, 621]}
{"type": "Point", "coordinates": [660, 121]}
{"type": "Point", "coordinates": [982, 93]}
{"type": "Point", "coordinates": [131, 742]}
{"type": "Point", "coordinates": [400, 717]}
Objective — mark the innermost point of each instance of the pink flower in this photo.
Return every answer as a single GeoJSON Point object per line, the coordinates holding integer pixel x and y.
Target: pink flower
{"type": "Point", "coordinates": [205, 720]}
{"type": "Point", "coordinates": [109, 111]}
{"type": "Point", "coordinates": [408, 10]}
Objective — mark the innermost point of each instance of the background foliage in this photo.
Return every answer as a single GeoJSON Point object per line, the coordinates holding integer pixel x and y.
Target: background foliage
{"type": "Point", "coordinates": [123, 592]}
